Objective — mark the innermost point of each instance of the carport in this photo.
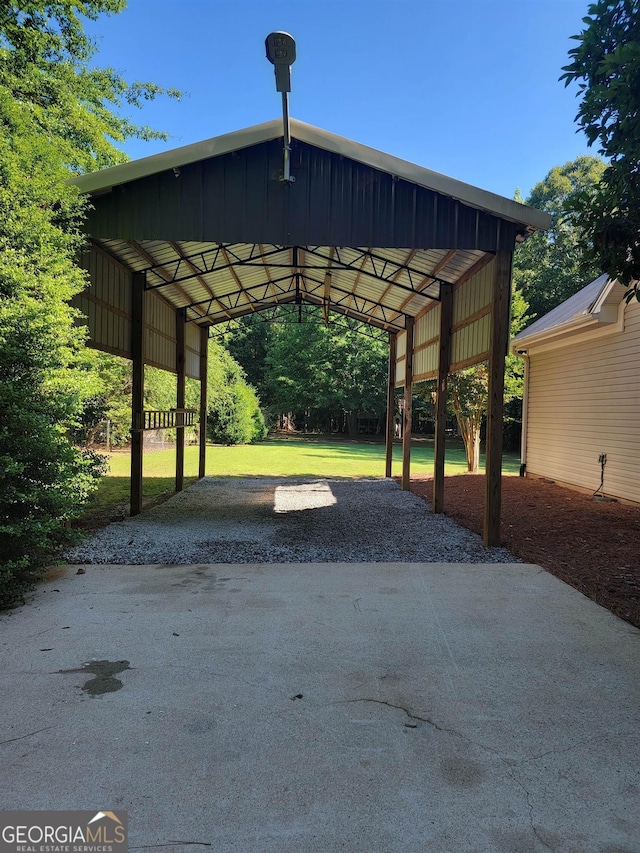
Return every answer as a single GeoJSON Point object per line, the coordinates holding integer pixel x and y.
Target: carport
{"type": "Point", "coordinates": [185, 240]}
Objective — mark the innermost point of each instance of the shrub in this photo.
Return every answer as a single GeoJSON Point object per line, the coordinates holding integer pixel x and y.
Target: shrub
{"type": "Point", "coordinates": [236, 418]}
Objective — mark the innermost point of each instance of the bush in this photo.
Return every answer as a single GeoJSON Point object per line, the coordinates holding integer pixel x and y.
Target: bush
{"type": "Point", "coordinates": [234, 416]}
{"type": "Point", "coordinates": [237, 419]}
{"type": "Point", "coordinates": [43, 385]}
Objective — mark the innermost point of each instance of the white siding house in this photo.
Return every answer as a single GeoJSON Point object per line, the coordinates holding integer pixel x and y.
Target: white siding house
{"type": "Point", "coordinates": [582, 392]}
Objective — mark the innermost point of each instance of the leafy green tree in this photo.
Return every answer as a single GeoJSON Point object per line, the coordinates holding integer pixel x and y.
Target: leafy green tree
{"type": "Point", "coordinates": [298, 364]}
{"type": "Point", "coordinates": [56, 114]}
{"type": "Point", "coordinates": [234, 413]}
{"type": "Point", "coordinates": [248, 345]}
{"type": "Point", "coordinates": [112, 402]}
{"type": "Point", "coordinates": [322, 372]}
{"type": "Point", "coordinates": [50, 92]}
{"type": "Point", "coordinates": [468, 390]}
{"type": "Point", "coordinates": [606, 66]}
{"type": "Point", "coordinates": [552, 265]}
{"type": "Point", "coordinates": [468, 399]}
{"type": "Point", "coordinates": [43, 480]}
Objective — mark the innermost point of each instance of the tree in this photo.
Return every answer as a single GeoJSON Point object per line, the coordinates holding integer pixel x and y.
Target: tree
{"type": "Point", "coordinates": [552, 265]}
{"type": "Point", "coordinates": [326, 372]}
{"type": "Point", "coordinates": [468, 389]}
{"type": "Point", "coordinates": [50, 93]}
{"type": "Point", "coordinates": [56, 114]}
{"type": "Point", "coordinates": [234, 413]}
{"type": "Point", "coordinates": [248, 345]}
{"type": "Point", "coordinates": [468, 400]}
{"type": "Point", "coordinates": [606, 65]}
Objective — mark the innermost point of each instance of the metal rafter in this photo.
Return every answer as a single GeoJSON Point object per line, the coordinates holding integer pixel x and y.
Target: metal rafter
{"type": "Point", "coordinates": [206, 261]}
{"type": "Point", "coordinates": [160, 271]}
{"type": "Point", "coordinates": [352, 312]}
{"type": "Point", "coordinates": [287, 314]}
{"type": "Point", "coordinates": [275, 289]}
{"type": "Point", "coordinates": [384, 269]}
{"type": "Point", "coordinates": [232, 270]}
{"type": "Point", "coordinates": [363, 312]}
{"type": "Point", "coordinates": [251, 311]}
{"type": "Point", "coordinates": [232, 300]}
{"type": "Point", "coordinates": [178, 250]}
{"type": "Point", "coordinates": [381, 269]}
{"type": "Point", "coordinates": [388, 315]}
{"type": "Point", "coordinates": [266, 268]}
{"type": "Point", "coordinates": [442, 263]}
{"type": "Point", "coordinates": [408, 260]}
{"type": "Point", "coordinates": [358, 274]}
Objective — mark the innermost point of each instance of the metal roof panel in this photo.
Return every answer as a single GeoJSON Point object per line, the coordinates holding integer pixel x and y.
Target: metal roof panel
{"type": "Point", "coordinates": [106, 179]}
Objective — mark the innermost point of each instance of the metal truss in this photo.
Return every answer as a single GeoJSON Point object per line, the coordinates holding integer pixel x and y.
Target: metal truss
{"type": "Point", "coordinates": [383, 269]}
{"type": "Point", "coordinates": [296, 287]}
{"type": "Point", "coordinates": [269, 291]}
{"type": "Point", "coordinates": [224, 257]}
{"type": "Point", "coordinates": [307, 314]}
{"type": "Point", "coordinates": [360, 304]}
{"type": "Point", "coordinates": [212, 260]}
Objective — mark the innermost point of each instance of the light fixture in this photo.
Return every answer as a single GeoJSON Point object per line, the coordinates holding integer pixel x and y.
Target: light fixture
{"type": "Point", "coordinates": [281, 53]}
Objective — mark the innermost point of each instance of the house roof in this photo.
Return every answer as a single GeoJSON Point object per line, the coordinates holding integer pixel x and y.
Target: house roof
{"type": "Point", "coordinates": [584, 308]}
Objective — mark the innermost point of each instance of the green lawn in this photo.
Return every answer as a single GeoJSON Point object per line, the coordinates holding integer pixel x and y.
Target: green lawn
{"type": "Point", "coordinates": [278, 457]}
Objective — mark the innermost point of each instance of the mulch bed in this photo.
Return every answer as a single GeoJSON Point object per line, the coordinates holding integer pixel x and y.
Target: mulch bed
{"type": "Point", "coordinates": [593, 546]}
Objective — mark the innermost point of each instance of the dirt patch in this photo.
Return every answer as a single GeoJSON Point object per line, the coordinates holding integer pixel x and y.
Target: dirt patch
{"type": "Point", "coordinates": [594, 547]}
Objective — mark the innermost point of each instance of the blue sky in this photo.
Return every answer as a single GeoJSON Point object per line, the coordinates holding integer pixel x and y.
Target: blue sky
{"type": "Point", "coordinates": [468, 88]}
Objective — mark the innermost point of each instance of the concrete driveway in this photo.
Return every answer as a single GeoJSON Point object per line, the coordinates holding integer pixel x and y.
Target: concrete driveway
{"type": "Point", "coordinates": [326, 707]}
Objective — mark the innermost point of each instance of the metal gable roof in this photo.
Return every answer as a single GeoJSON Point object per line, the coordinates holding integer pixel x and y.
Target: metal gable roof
{"type": "Point", "coordinates": [217, 234]}
{"type": "Point", "coordinates": [512, 211]}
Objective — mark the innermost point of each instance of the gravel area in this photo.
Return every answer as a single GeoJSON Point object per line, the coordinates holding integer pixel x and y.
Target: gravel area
{"type": "Point", "coordinates": [292, 520]}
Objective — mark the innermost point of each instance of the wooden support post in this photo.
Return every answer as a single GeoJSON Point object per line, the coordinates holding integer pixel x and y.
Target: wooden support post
{"type": "Point", "coordinates": [408, 390]}
{"type": "Point", "coordinates": [137, 391]}
{"type": "Point", "coordinates": [446, 313]}
{"type": "Point", "coordinates": [498, 341]}
{"type": "Point", "coordinates": [204, 360]}
{"type": "Point", "coordinates": [181, 366]}
{"type": "Point", "coordinates": [391, 387]}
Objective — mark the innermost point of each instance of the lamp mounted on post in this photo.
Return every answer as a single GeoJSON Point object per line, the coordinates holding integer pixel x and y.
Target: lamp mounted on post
{"type": "Point", "coordinates": [281, 53]}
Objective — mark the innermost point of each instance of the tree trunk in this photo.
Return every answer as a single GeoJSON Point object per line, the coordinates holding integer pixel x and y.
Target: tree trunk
{"type": "Point", "coordinates": [352, 424]}
{"type": "Point", "coordinates": [473, 451]}
{"type": "Point", "coordinates": [470, 431]}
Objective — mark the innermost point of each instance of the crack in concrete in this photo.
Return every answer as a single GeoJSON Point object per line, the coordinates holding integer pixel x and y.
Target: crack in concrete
{"type": "Point", "coordinates": [510, 768]}
{"type": "Point", "coordinates": [409, 714]}
{"type": "Point", "coordinates": [511, 773]}
{"type": "Point", "coordinates": [560, 751]}
{"type": "Point", "coordinates": [22, 737]}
